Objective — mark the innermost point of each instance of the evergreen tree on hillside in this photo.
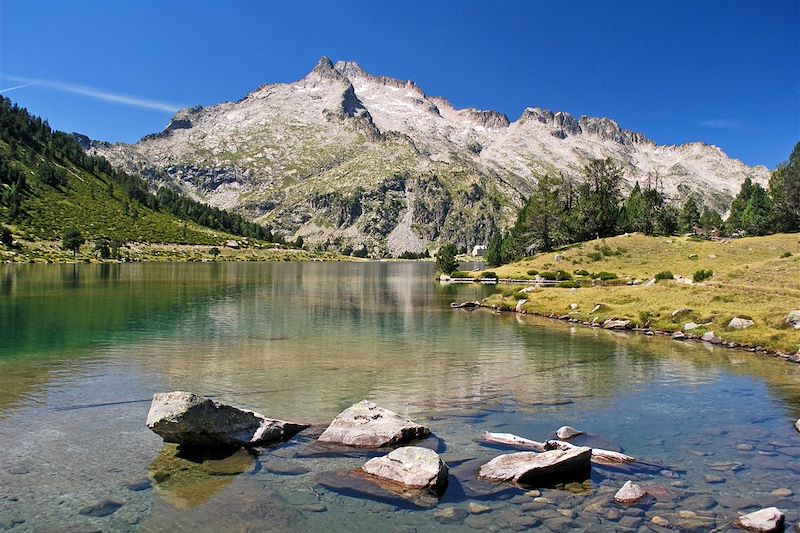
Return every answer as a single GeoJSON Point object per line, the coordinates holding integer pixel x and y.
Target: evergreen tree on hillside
{"type": "Point", "coordinates": [72, 240]}
{"type": "Point", "coordinates": [690, 216]}
{"type": "Point", "coordinates": [446, 259]}
{"type": "Point", "coordinates": [750, 211]}
{"type": "Point", "coordinates": [784, 186]}
{"type": "Point", "coordinates": [494, 254]}
{"type": "Point", "coordinates": [710, 219]}
{"type": "Point", "coordinates": [599, 199]}
{"type": "Point", "coordinates": [543, 222]}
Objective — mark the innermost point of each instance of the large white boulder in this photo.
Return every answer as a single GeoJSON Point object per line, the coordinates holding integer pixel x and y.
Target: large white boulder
{"type": "Point", "coordinates": [767, 520]}
{"type": "Point", "coordinates": [740, 323]}
{"type": "Point", "coordinates": [528, 467]}
{"type": "Point", "coordinates": [185, 418]}
{"type": "Point", "coordinates": [629, 493]}
{"type": "Point", "coordinates": [567, 432]}
{"type": "Point", "coordinates": [411, 466]}
{"type": "Point", "coordinates": [793, 319]}
{"type": "Point", "coordinates": [367, 425]}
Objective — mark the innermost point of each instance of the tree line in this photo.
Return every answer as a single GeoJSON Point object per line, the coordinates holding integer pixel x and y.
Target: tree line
{"type": "Point", "coordinates": [563, 210]}
{"type": "Point", "coordinates": [33, 144]}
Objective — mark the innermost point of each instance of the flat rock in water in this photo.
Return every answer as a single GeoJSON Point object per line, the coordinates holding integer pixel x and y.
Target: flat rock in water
{"type": "Point", "coordinates": [411, 466]}
{"type": "Point", "coordinates": [567, 432]}
{"type": "Point", "coordinates": [527, 468]}
{"type": "Point", "coordinates": [367, 425]}
{"type": "Point", "coordinates": [767, 520]}
{"type": "Point", "coordinates": [629, 493]}
{"type": "Point", "coordinates": [101, 508]}
{"type": "Point", "coordinates": [192, 420]}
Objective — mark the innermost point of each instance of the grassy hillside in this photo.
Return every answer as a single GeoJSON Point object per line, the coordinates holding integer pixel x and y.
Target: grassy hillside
{"type": "Point", "coordinates": [753, 278]}
{"type": "Point", "coordinates": [49, 185]}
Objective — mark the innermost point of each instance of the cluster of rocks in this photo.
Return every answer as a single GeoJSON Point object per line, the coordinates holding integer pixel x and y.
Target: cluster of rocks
{"type": "Point", "coordinates": [194, 421]}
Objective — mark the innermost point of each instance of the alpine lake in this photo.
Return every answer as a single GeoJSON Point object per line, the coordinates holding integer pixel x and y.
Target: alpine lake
{"type": "Point", "coordinates": [84, 347]}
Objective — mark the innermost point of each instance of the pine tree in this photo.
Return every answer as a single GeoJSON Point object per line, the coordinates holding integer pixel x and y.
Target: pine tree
{"type": "Point", "coordinates": [494, 254]}
{"type": "Point", "coordinates": [690, 216]}
{"type": "Point", "coordinates": [446, 259]}
{"type": "Point", "coordinates": [784, 186]}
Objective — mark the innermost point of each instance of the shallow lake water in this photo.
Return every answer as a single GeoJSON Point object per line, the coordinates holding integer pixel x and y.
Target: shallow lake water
{"type": "Point", "coordinates": [84, 347]}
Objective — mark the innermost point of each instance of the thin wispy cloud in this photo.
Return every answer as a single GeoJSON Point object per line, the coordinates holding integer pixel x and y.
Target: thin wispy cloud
{"type": "Point", "coordinates": [724, 123]}
{"type": "Point", "coordinates": [94, 93]}
{"type": "Point", "coordinates": [7, 89]}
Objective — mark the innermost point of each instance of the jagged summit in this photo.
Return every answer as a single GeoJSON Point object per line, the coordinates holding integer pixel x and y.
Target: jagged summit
{"type": "Point", "coordinates": [342, 156]}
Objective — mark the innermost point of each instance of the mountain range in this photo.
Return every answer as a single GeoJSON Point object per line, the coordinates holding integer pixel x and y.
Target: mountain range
{"type": "Point", "coordinates": [344, 158]}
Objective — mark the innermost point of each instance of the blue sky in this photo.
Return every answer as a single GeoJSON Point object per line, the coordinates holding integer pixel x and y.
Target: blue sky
{"type": "Point", "coordinates": [723, 72]}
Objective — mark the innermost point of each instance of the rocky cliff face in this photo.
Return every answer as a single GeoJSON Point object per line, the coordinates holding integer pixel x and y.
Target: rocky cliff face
{"type": "Point", "coordinates": [345, 158]}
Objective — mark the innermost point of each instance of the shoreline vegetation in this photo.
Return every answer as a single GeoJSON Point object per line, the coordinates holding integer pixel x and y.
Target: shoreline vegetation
{"type": "Point", "coordinates": [43, 251]}
{"type": "Point", "coordinates": [737, 293]}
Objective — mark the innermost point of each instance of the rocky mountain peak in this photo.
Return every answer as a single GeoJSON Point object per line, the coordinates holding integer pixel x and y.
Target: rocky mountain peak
{"type": "Point", "coordinates": [349, 69]}
{"type": "Point", "coordinates": [487, 119]}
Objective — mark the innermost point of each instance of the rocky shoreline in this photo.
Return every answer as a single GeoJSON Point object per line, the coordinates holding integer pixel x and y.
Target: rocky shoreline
{"type": "Point", "coordinates": [627, 326]}
{"type": "Point", "coordinates": [415, 473]}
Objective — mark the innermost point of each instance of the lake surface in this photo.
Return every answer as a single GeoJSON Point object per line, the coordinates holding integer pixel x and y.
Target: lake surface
{"type": "Point", "coordinates": [84, 347]}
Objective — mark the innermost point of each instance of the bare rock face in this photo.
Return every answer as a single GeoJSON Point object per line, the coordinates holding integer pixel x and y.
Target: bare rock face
{"type": "Point", "coordinates": [767, 520]}
{"type": "Point", "coordinates": [567, 432]}
{"type": "Point", "coordinates": [367, 425]}
{"type": "Point", "coordinates": [740, 323]}
{"type": "Point", "coordinates": [192, 420]}
{"type": "Point", "coordinates": [411, 466]}
{"type": "Point", "coordinates": [527, 468]}
{"type": "Point", "coordinates": [629, 493]}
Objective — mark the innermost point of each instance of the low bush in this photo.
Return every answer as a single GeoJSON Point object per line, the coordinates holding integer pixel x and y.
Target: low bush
{"type": "Point", "coordinates": [784, 255]}
{"type": "Point", "coordinates": [551, 276]}
{"type": "Point", "coordinates": [488, 274]}
{"type": "Point", "coordinates": [533, 272]}
{"type": "Point", "coordinates": [702, 275]}
{"type": "Point", "coordinates": [604, 276]}
{"type": "Point", "coordinates": [664, 274]}
{"type": "Point", "coordinates": [563, 275]}
{"type": "Point", "coordinates": [459, 274]}
{"type": "Point", "coordinates": [595, 256]}
{"type": "Point", "coordinates": [568, 284]}
{"type": "Point", "coordinates": [581, 272]}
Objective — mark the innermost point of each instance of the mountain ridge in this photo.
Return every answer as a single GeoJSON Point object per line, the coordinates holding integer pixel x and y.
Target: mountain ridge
{"type": "Point", "coordinates": [345, 158]}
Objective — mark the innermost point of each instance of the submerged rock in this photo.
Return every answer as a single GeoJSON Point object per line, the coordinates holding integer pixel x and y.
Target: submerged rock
{"type": "Point", "coordinates": [629, 493]}
{"type": "Point", "coordinates": [530, 467]}
{"type": "Point", "coordinates": [740, 323]}
{"type": "Point", "coordinates": [767, 520]}
{"type": "Point", "coordinates": [411, 466]}
{"type": "Point", "coordinates": [101, 508]}
{"type": "Point", "coordinates": [370, 426]}
{"type": "Point", "coordinates": [567, 432]}
{"type": "Point", "coordinates": [188, 419]}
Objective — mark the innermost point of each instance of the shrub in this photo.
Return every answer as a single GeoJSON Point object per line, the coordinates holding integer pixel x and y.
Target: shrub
{"type": "Point", "coordinates": [414, 255]}
{"type": "Point", "coordinates": [784, 255]}
{"type": "Point", "coordinates": [562, 275]}
{"type": "Point", "coordinates": [533, 272]}
{"type": "Point", "coordinates": [488, 274]}
{"type": "Point", "coordinates": [702, 275]}
{"type": "Point", "coordinates": [582, 272]}
{"type": "Point", "coordinates": [72, 240]}
{"type": "Point", "coordinates": [214, 251]}
{"type": "Point", "coordinates": [5, 235]}
{"type": "Point", "coordinates": [604, 276]}
{"type": "Point", "coordinates": [568, 284]}
{"type": "Point", "coordinates": [644, 317]}
{"type": "Point", "coordinates": [459, 274]}
{"type": "Point", "coordinates": [595, 256]}
{"type": "Point", "coordinates": [664, 274]}
{"type": "Point", "coordinates": [552, 276]}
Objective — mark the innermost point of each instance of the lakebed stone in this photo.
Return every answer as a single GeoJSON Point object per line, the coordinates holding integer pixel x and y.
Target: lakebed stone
{"type": "Point", "coordinates": [367, 425]}
{"type": "Point", "coordinates": [629, 493]}
{"type": "Point", "coordinates": [185, 418]}
{"type": "Point", "coordinates": [767, 520]}
{"type": "Point", "coordinates": [410, 466]}
{"type": "Point", "coordinates": [529, 467]}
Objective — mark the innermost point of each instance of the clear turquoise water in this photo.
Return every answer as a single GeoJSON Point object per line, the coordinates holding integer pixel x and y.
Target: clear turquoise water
{"type": "Point", "coordinates": [85, 346]}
